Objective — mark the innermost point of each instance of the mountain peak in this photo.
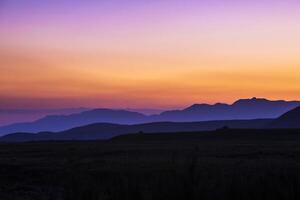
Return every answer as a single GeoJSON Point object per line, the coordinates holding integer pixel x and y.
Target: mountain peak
{"type": "Point", "coordinates": [196, 105]}
{"type": "Point", "coordinates": [203, 105]}
{"type": "Point", "coordinates": [252, 100]}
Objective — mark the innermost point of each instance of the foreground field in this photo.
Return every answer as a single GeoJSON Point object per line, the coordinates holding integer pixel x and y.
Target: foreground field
{"type": "Point", "coordinates": [226, 164]}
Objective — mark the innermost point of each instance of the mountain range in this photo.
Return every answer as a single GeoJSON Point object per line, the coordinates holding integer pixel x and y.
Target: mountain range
{"type": "Point", "coordinates": [63, 122]}
{"type": "Point", "coordinates": [255, 108]}
{"type": "Point", "coordinates": [289, 120]}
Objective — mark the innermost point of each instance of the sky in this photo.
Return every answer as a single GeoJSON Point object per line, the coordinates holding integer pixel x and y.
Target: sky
{"type": "Point", "coordinates": [147, 54]}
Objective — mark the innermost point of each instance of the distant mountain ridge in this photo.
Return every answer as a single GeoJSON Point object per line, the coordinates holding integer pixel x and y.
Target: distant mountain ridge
{"type": "Point", "coordinates": [13, 116]}
{"type": "Point", "coordinates": [255, 108]}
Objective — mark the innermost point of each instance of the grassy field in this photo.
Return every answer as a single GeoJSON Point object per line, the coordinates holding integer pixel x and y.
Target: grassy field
{"type": "Point", "coordinates": [226, 164]}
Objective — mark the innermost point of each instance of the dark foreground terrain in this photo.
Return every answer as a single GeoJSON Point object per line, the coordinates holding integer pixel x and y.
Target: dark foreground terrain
{"type": "Point", "coordinates": [225, 164]}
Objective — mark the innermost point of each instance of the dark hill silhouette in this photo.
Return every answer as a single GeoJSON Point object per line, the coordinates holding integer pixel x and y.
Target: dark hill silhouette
{"type": "Point", "coordinates": [107, 130]}
{"type": "Point", "coordinates": [254, 108]}
{"type": "Point", "coordinates": [290, 119]}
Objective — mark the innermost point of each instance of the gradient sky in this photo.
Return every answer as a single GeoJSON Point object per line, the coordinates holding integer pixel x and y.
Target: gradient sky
{"type": "Point", "coordinates": [146, 53]}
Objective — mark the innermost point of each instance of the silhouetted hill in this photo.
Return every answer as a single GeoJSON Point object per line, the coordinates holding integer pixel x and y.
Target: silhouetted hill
{"type": "Point", "coordinates": [242, 109]}
{"type": "Point", "coordinates": [106, 130]}
{"type": "Point", "coordinates": [290, 119]}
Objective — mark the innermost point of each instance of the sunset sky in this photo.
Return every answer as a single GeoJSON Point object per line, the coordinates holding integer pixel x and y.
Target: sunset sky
{"type": "Point", "coordinates": [147, 53]}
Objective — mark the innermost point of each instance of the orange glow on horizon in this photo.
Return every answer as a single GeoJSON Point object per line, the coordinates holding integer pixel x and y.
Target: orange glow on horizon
{"type": "Point", "coordinates": [172, 58]}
